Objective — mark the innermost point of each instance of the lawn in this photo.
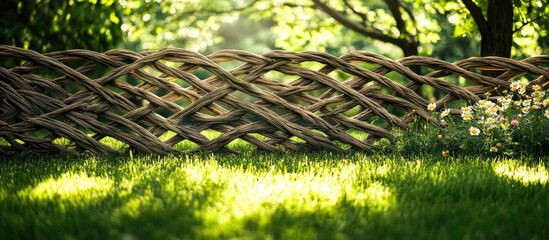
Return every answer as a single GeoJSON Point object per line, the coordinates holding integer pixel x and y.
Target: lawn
{"type": "Point", "coordinates": [295, 195]}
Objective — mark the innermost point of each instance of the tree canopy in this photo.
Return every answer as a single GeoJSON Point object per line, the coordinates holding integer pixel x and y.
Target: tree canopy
{"type": "Point", "coordinates": [411, 26]}
{"type": "Point", "coordinates": [49, 25]}
{"type": "Point", "coordinates": [446, 29]}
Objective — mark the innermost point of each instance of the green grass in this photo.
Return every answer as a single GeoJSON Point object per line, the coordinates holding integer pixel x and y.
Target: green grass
{"type": "Point", "coordinates": [274, 196]}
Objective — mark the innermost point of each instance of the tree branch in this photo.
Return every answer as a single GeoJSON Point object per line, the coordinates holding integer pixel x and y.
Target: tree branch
{"type": "Point", "coordinates": [525, 23]}
{"type": "Point", "coordinates": [394, 6]}
{"type": "Point", "coordinates": [216, 11]}
{"type": "Point", "coordinates": [357, 27]}
{"type": "Point", "coordinates": [478, 17]}
{"type": "Point", "coordinates": [293, 5]}
{"type": "Point", "coordinates": [409, 12]}
{"type": "Point", "coordinates": [361, 15]}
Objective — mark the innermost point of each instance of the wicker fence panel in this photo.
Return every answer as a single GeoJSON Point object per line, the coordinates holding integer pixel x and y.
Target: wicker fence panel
{"type": "Point", "coordinates": [153, 101]}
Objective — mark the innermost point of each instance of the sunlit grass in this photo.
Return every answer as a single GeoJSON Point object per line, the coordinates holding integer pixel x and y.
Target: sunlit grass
{"type": "Point", "coordinates": [69, 186]}
{"type": "Point", "coordinates": [254, 195]}
{"type": "Point", "coordinates": [513, 170]}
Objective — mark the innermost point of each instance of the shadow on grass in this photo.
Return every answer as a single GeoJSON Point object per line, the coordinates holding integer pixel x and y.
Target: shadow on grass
{"type": "Point", "coordinates": [100, 199]}
{"type": "Point", "coordinates": [161, 198]}
{"type": "Point", "coordinates": [434, 201]}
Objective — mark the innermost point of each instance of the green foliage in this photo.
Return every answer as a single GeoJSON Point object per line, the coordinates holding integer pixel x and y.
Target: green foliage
{"type": "Point", "coordinates": [513, 124]}
{"type": "Point", "coordinates": [187, 23]}
{"type": "Point", "coordinates": [50, 25]}
{"type": "Point", "coordinates": [531, 27]}
{"type": "Point", "coordinates": [440, 27]}
{"type": "Point", "coordinates": [451, 47]}
{"type": "Point", "coordinates": [460, 17]}
{"type": "Point", "coordinates": [443, 29]}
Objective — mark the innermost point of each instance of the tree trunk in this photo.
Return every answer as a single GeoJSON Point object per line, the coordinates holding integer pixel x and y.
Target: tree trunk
{"type": "Point", "coordinates": [411, 49]}
{"type": "Point", "coordinates": [498, 40]}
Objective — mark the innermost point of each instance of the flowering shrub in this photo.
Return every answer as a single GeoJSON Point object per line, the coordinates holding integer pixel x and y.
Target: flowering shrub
{"type": "Point", "coordinates": [509, 124]}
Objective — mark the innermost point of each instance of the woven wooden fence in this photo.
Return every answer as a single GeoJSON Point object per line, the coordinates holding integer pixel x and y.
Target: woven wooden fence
{"type": "Point", "coordinates": [155, 101]}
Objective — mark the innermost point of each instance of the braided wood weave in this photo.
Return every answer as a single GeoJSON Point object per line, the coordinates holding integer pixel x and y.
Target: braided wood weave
{"type": "Point", "coordinates": [76, 100]}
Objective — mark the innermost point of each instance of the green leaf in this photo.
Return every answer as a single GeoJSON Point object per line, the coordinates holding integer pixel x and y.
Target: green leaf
{"type": "Point", "coordinates": [114, 18]}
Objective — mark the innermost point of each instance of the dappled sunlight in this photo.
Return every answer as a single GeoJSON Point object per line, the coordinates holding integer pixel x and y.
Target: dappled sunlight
{"type": "Point", "coordinates": [77, 187]}
{"type": "Point", "coordinates": [134, 203]}
{"type": "Point", "coordinates": [134, 206]}
{"type": "Point", "coordinates": [377, 197]}
{"type": "Point", "coordinates": [162, 185]}
{"type": "Point", "coordinates": [268, 196]}
{"type": "Point", "coordinates": [292, 190]}
{"type": "Point", "coordinates": [521, 173]}
{"type": "Point", "coordinates": [369, 170]}
{"type": "Point", "coordinates": [248, 194]}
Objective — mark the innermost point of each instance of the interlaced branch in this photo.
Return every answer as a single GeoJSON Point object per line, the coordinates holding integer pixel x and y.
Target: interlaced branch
{"type": "Point", "coordinates": [173, 99]}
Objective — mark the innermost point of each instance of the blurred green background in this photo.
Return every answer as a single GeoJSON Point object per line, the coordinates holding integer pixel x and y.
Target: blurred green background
{"type": "Point", "coordinates": [448, 30]}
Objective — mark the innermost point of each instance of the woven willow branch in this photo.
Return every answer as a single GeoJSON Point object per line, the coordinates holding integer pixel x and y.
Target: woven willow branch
{"type": "Point", "coordinates": [78, 100]}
